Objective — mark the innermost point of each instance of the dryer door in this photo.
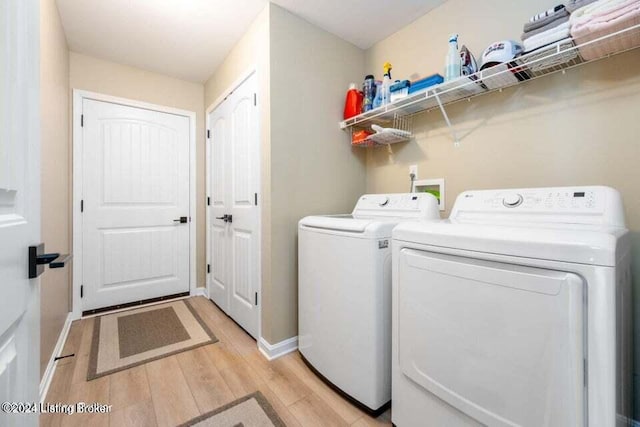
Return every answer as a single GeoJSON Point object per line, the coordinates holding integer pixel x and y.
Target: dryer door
{"type": "Point", "coordinates": [502, 343]}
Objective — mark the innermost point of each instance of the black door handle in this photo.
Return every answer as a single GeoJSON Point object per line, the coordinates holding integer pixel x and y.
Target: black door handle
{"type": "Point", "coordinates": [226, 218]}
{"type": "Point", "coordinates": [181, 220]}
{"type": "Point", "coordinates": [38, 259]}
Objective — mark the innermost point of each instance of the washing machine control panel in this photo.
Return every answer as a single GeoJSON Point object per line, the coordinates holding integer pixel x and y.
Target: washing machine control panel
{"type": "Point", "coordinates": [597, 205]}
{"type": "Point", "coordinates": [409, 205]}
{"type": "Point", "coordinates": [560, 199]}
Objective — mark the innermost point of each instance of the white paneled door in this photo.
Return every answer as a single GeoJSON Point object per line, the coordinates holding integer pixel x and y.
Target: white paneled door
{"type": "Point", "coordinates": [233, 214]}
{"type": "Point", "coordinates": [19, 209]}
{"type": "Point", "coordinates": [135, 208]}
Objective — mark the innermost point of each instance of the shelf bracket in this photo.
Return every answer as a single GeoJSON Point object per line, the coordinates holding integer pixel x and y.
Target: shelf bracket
{"type": "Point", "coordinates": [456, 141]}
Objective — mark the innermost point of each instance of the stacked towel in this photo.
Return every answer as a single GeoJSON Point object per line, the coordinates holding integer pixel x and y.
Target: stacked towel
{"type": "Point", "coordinates": [547, 27]}
{"type": "Point", "coordinates": [601, 18]}
{"type": "Point", "coordinates": [573, 5]}
{"type": "Point", "coordinates": [589, 17]}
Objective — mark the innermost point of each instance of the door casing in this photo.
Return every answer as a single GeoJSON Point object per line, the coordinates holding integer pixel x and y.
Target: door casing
{"type": "Point", "coordinates": [241, 79]}
{"type": "Point", "coordinates": [78, 97]}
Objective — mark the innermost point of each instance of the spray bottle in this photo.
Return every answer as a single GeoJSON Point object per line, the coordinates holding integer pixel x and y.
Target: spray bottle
{"type": "Point", "coordinates": [453, 64]}
{"type": "Point", "coordinates": [386, 84]}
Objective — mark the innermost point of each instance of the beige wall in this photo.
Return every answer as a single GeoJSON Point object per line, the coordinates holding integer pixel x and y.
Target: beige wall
{"type": "Point", "coordinates": [575, 129]}
{"type": "Point", "coordinates": [55, 174]}
{"type": "Point", "coordinates": [109, 78]}
{"type": "Point", "coordinates": [313, 168]}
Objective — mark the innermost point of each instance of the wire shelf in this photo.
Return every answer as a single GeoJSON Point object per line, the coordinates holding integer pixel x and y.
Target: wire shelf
{"type": "Point", "coordinates": [558, 56]}
{"type": "Point", "coordinates": [400, 131]}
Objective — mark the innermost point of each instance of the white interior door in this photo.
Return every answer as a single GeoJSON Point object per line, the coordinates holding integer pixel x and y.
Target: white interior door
{"type": "Point", "coordinates": [135, 165]}
{"type": "Point", "coordinates": [19, 205]}
{"type": "Point", "coordinates": [233, 214]}
{"type": "Point", "coordinates": [218, 231]}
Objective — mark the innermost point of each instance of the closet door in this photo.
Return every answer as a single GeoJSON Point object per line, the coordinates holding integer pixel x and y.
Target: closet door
{"type": "Point", "coordinates": [234, 217]}
{"type": "Point", "coordinates": [244, 243]}
{"type": "Point", "coordinates": [218, 251]}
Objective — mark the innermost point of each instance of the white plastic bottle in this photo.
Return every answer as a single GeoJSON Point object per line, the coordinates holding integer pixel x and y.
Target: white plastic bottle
{"type": "Point", "coordinates": [453, 63]}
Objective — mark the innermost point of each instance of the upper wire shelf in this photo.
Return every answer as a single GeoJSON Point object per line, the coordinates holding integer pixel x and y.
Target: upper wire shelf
{"type": "Point", "coordinates": [558, 56]}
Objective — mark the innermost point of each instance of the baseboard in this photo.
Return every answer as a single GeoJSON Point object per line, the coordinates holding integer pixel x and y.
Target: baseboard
{"type": "Point", "coordinates": [273, 351]}
{"type": "Point", "coordinates": [200, 292]}
{"type": "Point", "coordinates": [45, 382]}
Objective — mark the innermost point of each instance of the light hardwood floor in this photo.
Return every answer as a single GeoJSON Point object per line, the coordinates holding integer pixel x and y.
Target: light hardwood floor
{"type": "Point", "coordinates": [174, 389]}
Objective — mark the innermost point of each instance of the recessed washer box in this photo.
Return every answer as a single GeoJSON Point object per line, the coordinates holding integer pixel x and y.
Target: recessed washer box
{"type": "Point", "coordinates": [433, 186]}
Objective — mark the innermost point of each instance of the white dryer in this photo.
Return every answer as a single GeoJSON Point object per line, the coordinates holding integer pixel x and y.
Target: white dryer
{"type": "Point", "coordinates": [344, 292]}
{"type": "Point", "coordinates": [514, 312]}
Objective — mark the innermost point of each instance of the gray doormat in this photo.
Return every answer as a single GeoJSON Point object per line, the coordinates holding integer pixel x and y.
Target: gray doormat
{"type": "Point", "coordinates": [252, 410]}
{"type": "Point", "coordinates": [133, 337]}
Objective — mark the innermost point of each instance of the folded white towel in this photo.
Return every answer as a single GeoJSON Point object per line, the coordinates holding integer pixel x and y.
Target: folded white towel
{"type": "Point", "coordinates": [550, 36]}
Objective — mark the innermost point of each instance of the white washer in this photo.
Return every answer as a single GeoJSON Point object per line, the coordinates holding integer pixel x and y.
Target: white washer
{"type": "Point", "coordinates": [515, 312]}
{"type": "Point", "coordinates": [344, 292]}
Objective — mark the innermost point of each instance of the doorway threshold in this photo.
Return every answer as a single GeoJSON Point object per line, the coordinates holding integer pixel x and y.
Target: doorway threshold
{"type": "Point", "coordinates": [120, 307]}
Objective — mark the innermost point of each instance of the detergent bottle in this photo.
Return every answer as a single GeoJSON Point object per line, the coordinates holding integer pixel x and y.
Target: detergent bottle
{"type": "Point", "coordinates": [353, 103]}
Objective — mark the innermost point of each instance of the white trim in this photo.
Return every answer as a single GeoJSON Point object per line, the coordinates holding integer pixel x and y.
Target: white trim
{"type": "Point", "coordinates": [243, 76]}
{"type": "Point", "coordinates": [273, 351]}
{"type": "Point", "coordinates": [78, 97]}
{"type": "Point", "coordinates": [200, 292]}
{"type": "Point", "coordinates": [45, 382]}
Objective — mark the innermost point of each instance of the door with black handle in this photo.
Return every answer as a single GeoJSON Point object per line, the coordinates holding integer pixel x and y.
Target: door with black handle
{"type": "Point", "coordinates": [233, 150]}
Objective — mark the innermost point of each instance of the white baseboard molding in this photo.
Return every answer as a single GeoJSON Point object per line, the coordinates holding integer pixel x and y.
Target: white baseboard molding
{"type": "Point", "coordinates": [45, 382]}
{"type": "Point", "coordinates": [200, 292]}
{"type": "Point", "coordinates": [273, 351]}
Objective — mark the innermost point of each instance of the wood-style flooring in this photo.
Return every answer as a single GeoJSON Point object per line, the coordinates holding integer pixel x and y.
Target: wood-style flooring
{"type": "Point", "coordinates": [174, 389]}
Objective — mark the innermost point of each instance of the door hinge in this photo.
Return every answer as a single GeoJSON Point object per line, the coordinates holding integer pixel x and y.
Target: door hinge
{"type": "Point", "coordinates": [81, 205]}
{"type": "Point", "coordinates": [585, 373]}
{"type": "Point", "coordinates": [81, 120]}
{"type": "Point", "coordinates": [256, 294]}
{"type": "Point", "coordinates": [255, 99]}
{"type": "Point", "coordinates": [208, 201]}
{"type": "Point", "coordinates": [208, 268]}
{"type": "Point", "coordinates": [255, 198]}
{"type": "Point", "coordinates": [81, 291]}
{"type": "Point", "coordinates": [208, 134]}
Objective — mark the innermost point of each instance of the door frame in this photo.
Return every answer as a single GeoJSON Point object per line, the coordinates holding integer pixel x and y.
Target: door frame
{"type": "Point", "coordinates": [251, 71]}
{"type": "Point", "coordinates": [78, 98]}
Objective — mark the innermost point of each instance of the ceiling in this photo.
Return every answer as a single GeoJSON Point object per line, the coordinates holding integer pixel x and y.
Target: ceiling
{"type": "Point", "coordinates": [361, 22]}
{"type": "Point", "coordinates": [188, 39]}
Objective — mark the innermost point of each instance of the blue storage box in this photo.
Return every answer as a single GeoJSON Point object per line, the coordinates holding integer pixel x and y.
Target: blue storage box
{"type": "Point", "coordinates": [422, 84]}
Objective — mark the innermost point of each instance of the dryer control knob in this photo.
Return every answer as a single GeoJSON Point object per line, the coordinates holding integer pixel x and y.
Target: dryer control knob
{"type": "Point", "coordinates": [512, 200]}
{"type": "Point", "coordinates": [384, 201]}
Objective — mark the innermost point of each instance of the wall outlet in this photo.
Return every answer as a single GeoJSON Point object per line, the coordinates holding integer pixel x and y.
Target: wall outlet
{"type": "Point", "coordinates": [413, 169]}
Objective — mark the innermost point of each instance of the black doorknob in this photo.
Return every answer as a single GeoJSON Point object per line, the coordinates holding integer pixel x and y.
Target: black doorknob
{"type": "Point", "coordinates": [38, 259]}
{"type": "Point", "coordinates": [182, 220]}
